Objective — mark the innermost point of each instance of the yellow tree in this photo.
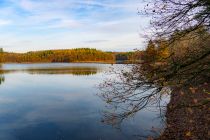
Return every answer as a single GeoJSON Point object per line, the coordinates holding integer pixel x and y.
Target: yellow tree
{"type": "Point", "coordinates": [162, 50]}
{"type": "Point", "coordinates": [150, 53]}
{"type": "Point", "coordinates": [1, 55]}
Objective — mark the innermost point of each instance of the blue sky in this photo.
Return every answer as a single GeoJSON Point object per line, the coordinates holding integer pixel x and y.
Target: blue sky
{"type": "Point", "coordinates": [109, 25]}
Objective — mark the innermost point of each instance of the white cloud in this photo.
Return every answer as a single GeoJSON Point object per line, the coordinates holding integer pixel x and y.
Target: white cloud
{"type": "Point", "coordinates": [28, 5]}
{"type": "Point", "coordinates": [60, 24]}
{"type": "Point", "coordinates": [5, 22]}
{"type": "Point", "coordinates": [66, 23]}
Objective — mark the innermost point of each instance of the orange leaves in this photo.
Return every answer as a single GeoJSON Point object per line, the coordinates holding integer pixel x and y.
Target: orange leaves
{"type": "Point", "coordinates": [188, 134]}
{"type": "Point", "coordinates": [193, 90]}
{"type": "Point", "coordinates": [190, 110]}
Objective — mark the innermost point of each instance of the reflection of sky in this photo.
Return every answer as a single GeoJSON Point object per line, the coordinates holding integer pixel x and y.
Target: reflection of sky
{"type": "Point", "coordinates": [34, 107]}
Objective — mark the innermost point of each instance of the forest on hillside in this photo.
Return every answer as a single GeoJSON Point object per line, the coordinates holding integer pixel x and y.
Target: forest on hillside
{"type": "Point", "coordinates": [70, 55]}
{"type": "Point", "coordinates": [67, 55]}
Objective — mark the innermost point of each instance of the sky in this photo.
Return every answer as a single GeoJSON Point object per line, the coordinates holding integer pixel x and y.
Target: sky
{"type": "Point", "coordinates": [108, 25]}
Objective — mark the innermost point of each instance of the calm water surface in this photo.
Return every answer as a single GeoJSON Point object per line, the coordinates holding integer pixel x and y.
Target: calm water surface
{"type": "Point", "coordinates": [59, 102]}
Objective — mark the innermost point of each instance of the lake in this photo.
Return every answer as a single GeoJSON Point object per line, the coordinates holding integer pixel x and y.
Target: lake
{"type": "Point", "coordinates": [59, 102]}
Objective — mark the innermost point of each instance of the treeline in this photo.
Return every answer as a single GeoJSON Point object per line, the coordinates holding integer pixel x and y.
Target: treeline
{"type": "Point", "coordinates": [183, 61]}
{"type": "Point", "coordinates": [1, 55]}
{"type": "Point", "coordinates": [70, 55]}
{"type": "Point", "coordinates": [129, 57]}
{"type": "Point", "coordinates": [156, 51]}
{"type": "Point", "coordinates": [187, 48]}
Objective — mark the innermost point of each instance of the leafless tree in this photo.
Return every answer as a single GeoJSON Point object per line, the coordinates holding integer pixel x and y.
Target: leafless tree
{"type": "Point", "coordinates": [171, 16]}
{"type": "Point", "coordinates": [144, 84]}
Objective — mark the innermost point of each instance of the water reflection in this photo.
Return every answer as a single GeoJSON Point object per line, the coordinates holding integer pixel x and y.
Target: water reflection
{"type": "Point", "coordinates": [2, 79]}
{"type": "Point", "coordinates": [40, 102]}
{"type": "Point", "coordinates": [77, 70]}
{"type": "Point", "coordinates": [126, 96]}
{"type": "Point", "coordinates": [72, 71]}
{"type": "Point", "coordinates": [185, 114]}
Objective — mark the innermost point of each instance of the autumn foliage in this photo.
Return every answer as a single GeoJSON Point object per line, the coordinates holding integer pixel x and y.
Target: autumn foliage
{"type": "Point", "coordinates": [70, 55]}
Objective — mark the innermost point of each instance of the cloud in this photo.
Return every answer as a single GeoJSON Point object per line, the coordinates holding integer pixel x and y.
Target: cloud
{"type": "Point", "coordinates": [61, 24]}
{"type": "Point", "coordinates": [5, 22]}
{"type": "Point", "coordinates": [28, 5]}
{"type": "Point", "coordinates": [66, 23]}
{"type": "Point", "coordinates": [95, 41]}
{"type": "Point", "coordinates": [124, 4]}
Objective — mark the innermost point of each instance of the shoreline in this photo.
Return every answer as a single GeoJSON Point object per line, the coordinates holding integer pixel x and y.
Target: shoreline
{"type": "Point", "coordinates": [187, 115]}
{"type": "Point", "coordinates": [96, 62]}
{"type": "Point", "coordinates": [80, 62]}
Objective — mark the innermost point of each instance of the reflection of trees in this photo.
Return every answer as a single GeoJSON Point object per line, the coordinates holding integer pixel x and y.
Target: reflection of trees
{"type": "Point", "coordinates": [127, 93]}
{"type": "Point", "coordinates": [2, 79]}
{"type": "Point", "coordinates": [72, 70]}
{"type": "Point", "coordinates": [131, 90]}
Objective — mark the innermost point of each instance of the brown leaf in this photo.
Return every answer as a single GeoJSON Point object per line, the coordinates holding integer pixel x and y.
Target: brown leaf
{"type": "Point", "coordinates": [192, 89]}
{"type": "Point", "coordinates": [182, 93]}
{"type": "Point", "coordinates": [195, 101]}
{"type": "Point", "coordinates": [188, 134]}
{"type": "Point", "coordinates": [190, 110]}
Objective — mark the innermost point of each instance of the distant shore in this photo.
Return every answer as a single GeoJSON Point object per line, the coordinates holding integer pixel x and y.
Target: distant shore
{"type": "Point", "coordinates": [96, 62]}
{"type": "Point", "coordinates": [78, 55]}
